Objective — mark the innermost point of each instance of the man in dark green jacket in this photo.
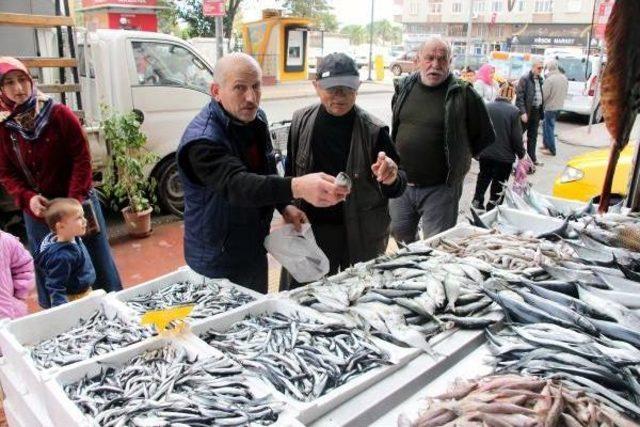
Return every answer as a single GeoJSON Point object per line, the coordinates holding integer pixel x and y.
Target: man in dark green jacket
{"type": "Point", "coordinates": [439, 124]}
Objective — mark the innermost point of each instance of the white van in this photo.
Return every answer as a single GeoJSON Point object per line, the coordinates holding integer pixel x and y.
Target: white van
{"type": "Point", "coordinates": [162, 78]}
{"type": "Point", "coordinates": [582, 73]}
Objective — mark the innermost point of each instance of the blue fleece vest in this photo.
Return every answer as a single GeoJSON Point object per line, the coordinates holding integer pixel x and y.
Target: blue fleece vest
{"type": "Point", "coordinates": [220, 239]}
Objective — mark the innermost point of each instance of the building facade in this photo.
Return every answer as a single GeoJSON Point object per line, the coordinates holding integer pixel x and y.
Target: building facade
{"type": "Point", "coordinates": [511, 25]}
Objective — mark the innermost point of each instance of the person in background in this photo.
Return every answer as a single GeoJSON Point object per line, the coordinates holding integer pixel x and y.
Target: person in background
{"type": "Point", "coordinates": [468, 74]}
{"type": "Point", "coordinates": [439, 124]}
{"type": "Point", "coordinates": [485, 85]}
{"type": "Point", "coordinates": [17, 277]}
{"type": "Point", "coordinates": [231, 188]}
{"type": "Point", "coordinates": [530, 102]}
{"type": "Point", "coordinates": [44, 154]}
{"type": "Point", "coordinates": [63, 258]}
{"type": "Point", "coordinates": [496, 161]}
{"type": "Point", "coordinates": [338, 136]}
{"type": "Point", "coordinates": [554, 92]}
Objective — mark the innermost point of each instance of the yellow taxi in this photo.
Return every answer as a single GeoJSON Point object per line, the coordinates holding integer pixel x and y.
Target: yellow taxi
{"type": "Point", "coordinates": [583, 176]}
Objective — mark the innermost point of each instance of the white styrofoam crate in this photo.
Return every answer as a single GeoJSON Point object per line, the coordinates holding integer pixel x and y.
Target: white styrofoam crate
{"type": "Point", "coordinates": [26, 410]}
{"type": "Point", "coordinates": [565, 205]}
{"type": "Point", "coordinates": [66, 413]}
{"type": "Point", "coordinates": [17, 335]}
{"type": "Point", "coordinates": [12, 387]}
{"type": "Point", "coordinates": [308, 411]}
{"type": "Point", "coordinates": [13, 420]}
{"type": "Point", "coordinates": [522, 221]}
{"type": "Point", "coordinates": [182, 274]}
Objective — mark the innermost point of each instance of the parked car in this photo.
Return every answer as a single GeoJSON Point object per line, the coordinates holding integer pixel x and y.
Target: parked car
{"type": "Point", "coordinates": [474, 61]}
{"type": "Point", "coordinates": [582, 73]}
{"type": "Point", "coordinates": [404, 63]}
{"type": "Point", "coordinates": [583, 175]}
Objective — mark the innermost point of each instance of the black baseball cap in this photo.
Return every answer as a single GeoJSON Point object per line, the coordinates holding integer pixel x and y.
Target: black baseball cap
{"type": "Point", "coordinates": [338, 69]}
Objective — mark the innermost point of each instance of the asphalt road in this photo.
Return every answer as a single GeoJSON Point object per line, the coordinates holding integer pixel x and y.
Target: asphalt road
{"type": "Point", "coordinates": [379, 104]}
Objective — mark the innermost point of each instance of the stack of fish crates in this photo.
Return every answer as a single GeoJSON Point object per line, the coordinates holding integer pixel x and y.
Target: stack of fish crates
{"type": "Point", "coordinates": [22, 380]}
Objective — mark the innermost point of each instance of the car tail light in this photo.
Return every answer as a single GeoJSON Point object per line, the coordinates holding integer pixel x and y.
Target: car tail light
{"type": "Point", "coordinates": [592, 86]}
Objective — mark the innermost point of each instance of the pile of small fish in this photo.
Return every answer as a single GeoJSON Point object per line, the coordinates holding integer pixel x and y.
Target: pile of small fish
{"type": "Point", "coordinates": [405, 299]}
{"type": "Point", "coordinates": [505, 251]}
{"type": "Point", "coordinates": [209, 298]}
{"type": "Point", "coordinates": [514, 400]}
{"type": "Point", "coordinates": [302, 358]}
{"type": "Point", "coordinates": [91, 337]}
{"type": "Point", "coordinates": [162, 387]}
{"type": "Point", "coordinates": [603, 368]}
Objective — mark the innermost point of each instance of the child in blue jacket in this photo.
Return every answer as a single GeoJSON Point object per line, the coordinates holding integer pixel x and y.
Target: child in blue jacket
{"type": "Point", "coordinates": [62, 257]}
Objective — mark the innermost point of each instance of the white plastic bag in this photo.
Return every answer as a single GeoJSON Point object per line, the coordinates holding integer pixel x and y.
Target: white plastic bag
{"type": "Point", "coordinates": [298, 252]}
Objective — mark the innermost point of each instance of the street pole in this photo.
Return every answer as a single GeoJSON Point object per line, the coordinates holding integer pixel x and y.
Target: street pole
{"type": "Point", "coordinates": [219, 41]}
{"type": "Point", "coordinates": [469, 24]}
{"type": "Point", "coordinates": [370, 42]}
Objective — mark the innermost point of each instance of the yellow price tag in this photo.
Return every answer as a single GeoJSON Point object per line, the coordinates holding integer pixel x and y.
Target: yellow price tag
{"type": "Point", "coordinates": [162, 318]}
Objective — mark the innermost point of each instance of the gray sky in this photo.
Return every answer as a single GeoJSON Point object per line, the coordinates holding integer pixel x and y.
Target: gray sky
{"type": "Point", "coordinates": [347, 11]}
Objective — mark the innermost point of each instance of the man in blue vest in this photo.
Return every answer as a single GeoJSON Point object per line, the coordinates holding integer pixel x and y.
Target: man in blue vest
{"type": "Point", "coordinates": [226, 163]}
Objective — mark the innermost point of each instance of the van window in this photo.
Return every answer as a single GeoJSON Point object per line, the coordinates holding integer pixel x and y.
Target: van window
{"type": "Point", "coordinates": [574, 68]}
{"type": "Point", "coordinates": [166, 64]}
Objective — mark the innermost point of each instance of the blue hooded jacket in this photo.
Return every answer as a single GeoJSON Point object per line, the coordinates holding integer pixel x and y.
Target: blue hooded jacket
{"type": "Point", "coordinates": [66, 267]}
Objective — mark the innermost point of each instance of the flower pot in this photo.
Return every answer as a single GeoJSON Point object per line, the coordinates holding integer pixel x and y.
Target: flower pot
{"type": "Point", "coordinates": [139, 223]}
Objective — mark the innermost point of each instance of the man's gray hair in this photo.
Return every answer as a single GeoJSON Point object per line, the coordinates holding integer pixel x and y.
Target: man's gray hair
{"type": "Point", "coordinates": [551, 65]}
{"type": "Point", "coordinates": [436, 39]}
{"type": "Point", "coordinates": [230, 62]}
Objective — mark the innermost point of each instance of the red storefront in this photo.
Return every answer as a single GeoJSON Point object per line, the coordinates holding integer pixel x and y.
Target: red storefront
{"type": "Point", "coordinates": [137, 15]}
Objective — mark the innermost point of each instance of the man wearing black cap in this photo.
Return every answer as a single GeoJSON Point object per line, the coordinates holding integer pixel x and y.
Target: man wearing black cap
{"type": "Point", "coordinates": [338, 136]}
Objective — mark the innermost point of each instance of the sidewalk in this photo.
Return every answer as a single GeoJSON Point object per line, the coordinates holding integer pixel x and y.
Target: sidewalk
{"type": "Point", "coordinates": [598, 138]}
{"type": "Point", "coordinates": [305, 89]}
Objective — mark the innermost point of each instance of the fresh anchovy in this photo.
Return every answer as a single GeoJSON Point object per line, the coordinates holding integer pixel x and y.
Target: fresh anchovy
{"type": "Point", "coordinates": [209, 298]}
{"type": "Point", "coordinates": [94, 336]}
{"type": "Point", "coordinates": [302, 358]}
{"type": "Point", "coordinates": [164, 387]}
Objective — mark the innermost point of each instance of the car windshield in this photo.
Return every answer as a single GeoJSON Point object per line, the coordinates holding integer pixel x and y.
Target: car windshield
{"type": "Point", "coordinates": [575, 69]}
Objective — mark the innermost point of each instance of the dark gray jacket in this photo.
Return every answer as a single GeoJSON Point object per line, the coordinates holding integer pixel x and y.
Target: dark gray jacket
{"type": "Point", "coordinates": [468, 129]}
{"type": "Point", "coordinates": [366, 210]}
{"type": "Point", "coordinates": [525, 91]}
{"type": "Point", "coordinates": [506, 123]}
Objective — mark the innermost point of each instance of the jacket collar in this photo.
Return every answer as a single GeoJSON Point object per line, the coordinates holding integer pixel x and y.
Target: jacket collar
{"type": "Point", "coordinates": [218, 113]}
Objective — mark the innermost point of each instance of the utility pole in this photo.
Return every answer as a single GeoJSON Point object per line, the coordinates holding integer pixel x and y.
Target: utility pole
{"type": "Point", "coordinates": [469, 25]}
{"type": "Point", "coordinates": [219, 41]}
{"type": "Point", "coordinates": [370, 42]}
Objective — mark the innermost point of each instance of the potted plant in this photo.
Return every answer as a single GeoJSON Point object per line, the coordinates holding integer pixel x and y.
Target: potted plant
{"type": "Point", "coordinates": [125, 180]}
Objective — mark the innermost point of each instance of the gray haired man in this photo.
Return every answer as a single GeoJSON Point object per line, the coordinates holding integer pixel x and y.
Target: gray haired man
{"type": "Point", "coordinates": [554, 92]}
{"type": "Point", "coordinates": [439, 124]}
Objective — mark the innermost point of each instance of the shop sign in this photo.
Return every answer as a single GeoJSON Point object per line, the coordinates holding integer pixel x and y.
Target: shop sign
{"type": "Point", "coordinates": [92, 3]}
{"type": "Point", "coordinates": [551, 41]}
{"type": "Point", "coordinates": [213, 7]}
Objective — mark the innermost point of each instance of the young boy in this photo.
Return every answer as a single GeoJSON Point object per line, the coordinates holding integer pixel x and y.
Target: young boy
{"type": "Point", "coordinates": [63, 258]}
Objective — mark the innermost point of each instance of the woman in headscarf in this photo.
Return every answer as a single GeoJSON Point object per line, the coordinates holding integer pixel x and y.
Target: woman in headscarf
{"type": "Point", "coordinates": [485, 85]}
{"type": "Point", "coordinates": [44, 153]}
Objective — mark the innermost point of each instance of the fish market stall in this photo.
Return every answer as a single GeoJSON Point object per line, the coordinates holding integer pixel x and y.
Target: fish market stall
{"type": "Point", "coordinates": [362, 347]}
